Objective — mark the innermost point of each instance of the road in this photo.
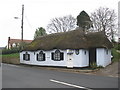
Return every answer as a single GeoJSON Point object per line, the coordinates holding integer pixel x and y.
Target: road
{"type": "Point", "coordinates": [14, 76]}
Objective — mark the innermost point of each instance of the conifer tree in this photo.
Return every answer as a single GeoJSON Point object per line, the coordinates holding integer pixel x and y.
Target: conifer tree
{"type": "Point", "coordinates": [83, 21]}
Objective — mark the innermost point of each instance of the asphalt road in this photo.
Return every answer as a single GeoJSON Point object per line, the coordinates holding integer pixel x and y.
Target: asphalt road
{"type": "Point", "coordinates": [30, 77]}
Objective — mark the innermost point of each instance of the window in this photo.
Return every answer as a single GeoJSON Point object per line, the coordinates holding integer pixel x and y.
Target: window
{"type": "Point", "coordinates": [77, 51]}
{"type": "Point", "coordinates": [57, 55]}
{"type": "Point", "coordinates": [107, 51]}
{"type": "Point", "coordinates": [41, 56]}
{"type": "Point", "coordinates": [26, 56]}
{"type": "Point", "coordinates": [85, 52]}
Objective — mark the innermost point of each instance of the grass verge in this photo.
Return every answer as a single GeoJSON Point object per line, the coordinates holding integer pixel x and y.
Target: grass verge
{"type": "Point", "coordinates": [116, 55]}
{"type": "Point", "coordinates": [11, 58]}
{"type": "Point", "coordinates": [14, 55]}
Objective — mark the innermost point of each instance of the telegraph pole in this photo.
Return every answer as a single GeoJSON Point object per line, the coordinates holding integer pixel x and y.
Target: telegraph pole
{"type": "Point", "coordinates": [22, 23]}
{"type": "Point", "coordinates": [22, 26]}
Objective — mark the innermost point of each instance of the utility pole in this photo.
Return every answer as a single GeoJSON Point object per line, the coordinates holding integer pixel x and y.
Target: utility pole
{"type": "Point", "coordinates": [22, 26]}
{"type": "Point", "coordinates": [22, 23]}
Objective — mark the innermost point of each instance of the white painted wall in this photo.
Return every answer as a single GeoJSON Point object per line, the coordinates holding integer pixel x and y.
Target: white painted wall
{"type": "Point", "coordinates": [47, 62]}
{"type": "Point", "coordinates": [107, 57]}
{"type": "Point", "coordinates": [32, 57]}
{"type": "Point", "coordinates": [103, 59]}
{"type": "Point", "coordinates": [100, 56]}
{"type": "Point", "coordinates": [85, 61]}
{"type": "Point", "coordinates": [80, 60]}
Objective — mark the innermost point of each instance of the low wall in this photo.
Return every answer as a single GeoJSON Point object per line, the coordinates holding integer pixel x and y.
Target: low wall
{"type": "Point", "coordinates": [10, 60]}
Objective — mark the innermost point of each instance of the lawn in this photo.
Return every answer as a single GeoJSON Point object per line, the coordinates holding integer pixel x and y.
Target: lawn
{"type": "Point", "coordinates": [14, 55]}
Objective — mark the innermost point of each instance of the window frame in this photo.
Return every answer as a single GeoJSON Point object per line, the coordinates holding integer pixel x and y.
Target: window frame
{"type": "Point", "coordinates": [77, 51]}
{"type": "Point", "coordinates": [85, 52]}
{"type": "Point", "coordinates": [107, 51]}
{"type": "Point", "coordinates": [26, 56]}
{"type": "Point", "coordinates": [57, 55]}
{"type": "Point", "coordinates": [40, 56]}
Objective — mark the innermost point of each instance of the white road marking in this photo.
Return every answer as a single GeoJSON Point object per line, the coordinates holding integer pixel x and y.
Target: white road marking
{"type": "Point", "coordinates": [68, 84]}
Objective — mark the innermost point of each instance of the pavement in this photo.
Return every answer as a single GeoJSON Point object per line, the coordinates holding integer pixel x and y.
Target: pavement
{"type": "Point", "coordinates": [14, 76]}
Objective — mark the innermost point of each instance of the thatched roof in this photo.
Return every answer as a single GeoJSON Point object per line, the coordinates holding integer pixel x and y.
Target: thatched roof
{"type": "Point", "coordinates": [75, 39]}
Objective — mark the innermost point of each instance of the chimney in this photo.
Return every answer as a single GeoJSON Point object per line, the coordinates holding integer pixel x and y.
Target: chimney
{"type": "Point", "coordinates": [8, 42]}
{"type": "Point", "coordinates": [8, 38]}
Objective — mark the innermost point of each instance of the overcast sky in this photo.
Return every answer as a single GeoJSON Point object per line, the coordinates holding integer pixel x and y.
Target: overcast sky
{"type": "Point", "coordinates": [37, 13]}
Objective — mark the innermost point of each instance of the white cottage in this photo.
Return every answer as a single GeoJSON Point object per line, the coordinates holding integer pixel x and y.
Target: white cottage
{"type": "Point", "coordinates": [69, 49]}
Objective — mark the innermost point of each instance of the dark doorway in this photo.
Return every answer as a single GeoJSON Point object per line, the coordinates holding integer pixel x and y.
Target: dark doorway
{"type": "Point", "coordinates": [92, 55]}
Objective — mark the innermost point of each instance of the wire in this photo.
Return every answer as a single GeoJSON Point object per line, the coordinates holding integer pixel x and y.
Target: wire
{"type": "Point", "coordinates": [28, 22]}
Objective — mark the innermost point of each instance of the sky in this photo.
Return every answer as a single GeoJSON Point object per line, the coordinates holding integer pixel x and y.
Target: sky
{"type": "Point", "coordinates": [38, 13]}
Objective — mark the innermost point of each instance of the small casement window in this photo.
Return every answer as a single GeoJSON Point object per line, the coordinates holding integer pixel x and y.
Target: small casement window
{"type": "Point", "coordinates": [85, 52]}
{"type": "Point", "coordinates": [57, 55]}
{"type": "Point", "coordinates": [77, 51]}
{"type": "Point", "coordinates": [26, 56]}
{"type": "Point", "coordinates": [41, 56]}
{"type": "Point", "coordinates": [107, 51]}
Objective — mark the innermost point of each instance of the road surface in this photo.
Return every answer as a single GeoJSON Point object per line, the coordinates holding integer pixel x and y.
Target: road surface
{"type": "Point", "coordinates": [14, 76]}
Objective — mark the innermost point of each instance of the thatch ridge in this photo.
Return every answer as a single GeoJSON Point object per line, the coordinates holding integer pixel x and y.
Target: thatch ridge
{"type": "Point", "coordinates": [75, 39]}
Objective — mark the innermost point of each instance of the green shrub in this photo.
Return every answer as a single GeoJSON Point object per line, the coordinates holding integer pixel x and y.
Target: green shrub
{"type": "Point", "coordinates": [93, 65]}
{"type": "Point", "coordinates": [13, 55]}
{"type": "Point", "coordinates": [115, 54]}
{"type": "Point", "coordinates": [9, 51]}
{"type": "Point", "coordinates": [99, 66]}
{"type": "Point", "coordinates": [118, 47]}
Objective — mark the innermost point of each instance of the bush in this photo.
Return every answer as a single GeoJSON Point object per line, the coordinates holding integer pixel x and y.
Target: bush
{"type": "Point", "coordinates": [93, 65]}
{"type": "Point", "coordinates": [118, 47]}
{"type": "Point", "coordinates": [9, 51]}
{"type": "Point", "coordinates": [115, 54]}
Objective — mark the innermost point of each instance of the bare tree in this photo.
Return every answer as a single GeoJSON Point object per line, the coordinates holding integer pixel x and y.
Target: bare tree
{"type": "Point", "coordinates": [61, 24]}
{"type": "Point", "coordinates": [104, 19]}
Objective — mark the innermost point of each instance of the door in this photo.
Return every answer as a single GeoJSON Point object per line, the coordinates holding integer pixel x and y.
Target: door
{"type": "Point", "coordinates": [70, 61]}
{"type": "Point", "coordinates": [92, 55]}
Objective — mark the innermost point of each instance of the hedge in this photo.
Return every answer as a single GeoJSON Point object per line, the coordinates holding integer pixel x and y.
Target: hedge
{"type": "Point", "coordinates": [9, 51]}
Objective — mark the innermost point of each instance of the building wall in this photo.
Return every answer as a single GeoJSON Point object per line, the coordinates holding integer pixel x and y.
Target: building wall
{"type": "Point", "coordinates": [32, 57]}
{"type": "Point", "coordinates": [107, 56]}
{"type": "Point", "coordinates": [80, 60]}
{"type": "Point", "coordinates": [47, 62]}
{"type": "Point", "coordinates": [103, 57]}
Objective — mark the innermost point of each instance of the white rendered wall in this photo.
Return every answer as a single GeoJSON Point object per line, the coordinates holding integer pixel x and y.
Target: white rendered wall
{"type": "Point", "coordinates": [47, 62]}
{"type": "Point", "coordinates": [32, 57]}
{"type": "Point", "coordinates": [77, 59]}
{"type": "Point", "coordinates": [107, 57]}
{"type": "Point", "coordinates": [85, 61]}
{"type": "Point", "coordinates": [80, 60]}
{"type": "Point", "coordinates": [103, 59]}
